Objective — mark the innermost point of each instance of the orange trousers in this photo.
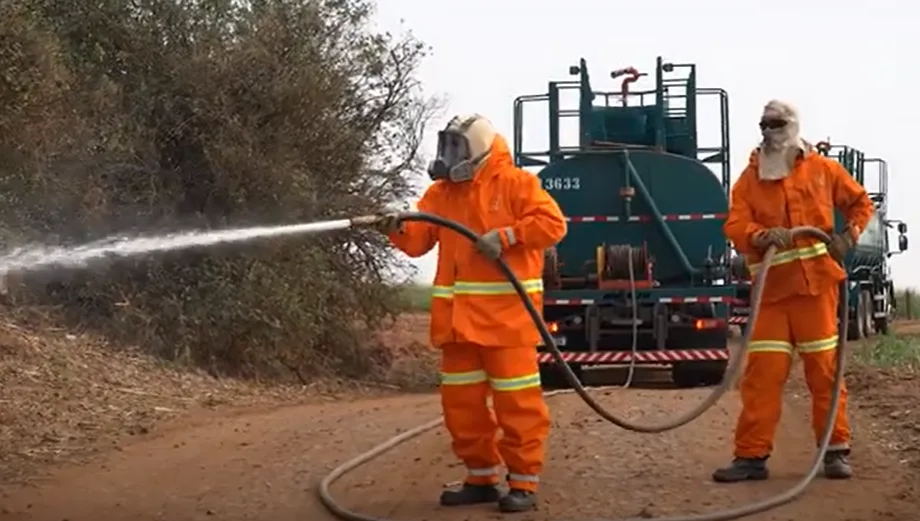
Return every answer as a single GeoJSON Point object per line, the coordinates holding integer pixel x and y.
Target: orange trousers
{"type": "Point", "coordinates": [470, 373]}
{"type": "Point", "coordinates": [807, 324]}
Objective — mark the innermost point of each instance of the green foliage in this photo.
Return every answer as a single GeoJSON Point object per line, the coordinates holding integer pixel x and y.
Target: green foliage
{"type": "Point", "coordinates": [892, 351]}
{"type": "Point", "coordinates": [123, 115]}
{"type": "Point", "coordinates": [907, 304]}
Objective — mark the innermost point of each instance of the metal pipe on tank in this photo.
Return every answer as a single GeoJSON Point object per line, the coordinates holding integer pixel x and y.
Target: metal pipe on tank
{"type": "Point", "coordinates": [627, 191]}
{"type": "Point", "coordinates": [659, 217]}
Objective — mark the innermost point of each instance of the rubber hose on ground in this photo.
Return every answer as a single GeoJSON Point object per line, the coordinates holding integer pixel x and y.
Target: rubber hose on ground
{"type": "Point", "coordinates": [735, 363]}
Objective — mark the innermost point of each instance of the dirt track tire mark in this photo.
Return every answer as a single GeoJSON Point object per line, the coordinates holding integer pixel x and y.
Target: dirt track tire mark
{"type": "Point", "coordinates": [253, 467]}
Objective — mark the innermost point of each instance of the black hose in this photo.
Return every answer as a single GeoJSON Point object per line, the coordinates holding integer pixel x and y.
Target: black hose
{"type": "Point", "coordinates": [731, 373]}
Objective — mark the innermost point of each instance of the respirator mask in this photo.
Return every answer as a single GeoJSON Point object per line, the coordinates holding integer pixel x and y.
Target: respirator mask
{"type": "Point", "coordinates": [454, 161]}
{"type": "Point", "coordinates": [462, 147]}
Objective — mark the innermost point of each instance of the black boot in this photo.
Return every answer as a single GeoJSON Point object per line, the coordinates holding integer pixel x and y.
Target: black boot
{"type": "Point", "coordinates": [836, 465]}
{"type": "Point", "coordinates": [517, 500]}
{"type": "Point", "coordinates": [742, 469]}
{"type": "Point", "coordinates": [470, 495]}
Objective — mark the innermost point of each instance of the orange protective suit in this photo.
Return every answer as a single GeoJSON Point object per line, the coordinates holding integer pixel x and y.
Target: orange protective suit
{"type": "Point", "coordinates": [799, 307]}
{"type": "Point", "coordinates": [488, 340]}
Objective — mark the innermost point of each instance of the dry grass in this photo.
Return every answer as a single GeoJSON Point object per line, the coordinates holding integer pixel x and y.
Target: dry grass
{"type": "Point", "coordinates": [64, 396]}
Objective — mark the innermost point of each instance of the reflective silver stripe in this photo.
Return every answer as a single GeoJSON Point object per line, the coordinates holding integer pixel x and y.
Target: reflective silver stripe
{"type": "Point", "coordinates": [770, 346]}
{"type": "Point", "coordinates": [488, 471]}
{"type": "Point", "coordinates": [485, 288]}
{"type": "Point", "coordinates": [517, 383]}
{"type": "Point", "coordinates": [839, 446]}
{"type": "Point", "coordinates": [787, 256]}
{"type": "Point", "coordinates": [509, 234]}
{"type": "Point", "coordinates": [817, 346]}
{"type": "Point", "coordinates": [466, 378]}
{"type": "Point", "coordinates": [523, 477]}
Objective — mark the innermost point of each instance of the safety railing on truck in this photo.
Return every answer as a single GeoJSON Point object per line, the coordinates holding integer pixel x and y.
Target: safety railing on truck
{"type": "Point", "coordinates": [674, 99]}
{"type": "Point", "coordinates": [880, 195]}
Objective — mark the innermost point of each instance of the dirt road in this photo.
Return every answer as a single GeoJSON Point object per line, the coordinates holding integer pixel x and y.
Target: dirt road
{"type": "Point", "coordinates": [266, 466]}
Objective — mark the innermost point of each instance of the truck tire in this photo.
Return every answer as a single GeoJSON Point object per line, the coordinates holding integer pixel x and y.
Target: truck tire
{"type": "Point", "coordinates": [868, 312]}
{"type": "Point", "coordinates": [695, 374]}
{"type": "Point", "coordinates": [855, 326]}
{"type": "Point", "coordinates": [881, 324]}
{"type": "Point", "coordinates": [551, 376]}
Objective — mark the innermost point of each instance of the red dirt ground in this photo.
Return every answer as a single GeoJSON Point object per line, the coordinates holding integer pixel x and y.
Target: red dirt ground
{"type": "Point", "coordinates": [264, 463]}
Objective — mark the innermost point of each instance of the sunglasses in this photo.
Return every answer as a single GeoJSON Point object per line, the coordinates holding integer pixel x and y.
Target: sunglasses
{"type": "Point", "coordinates": [772, 124]}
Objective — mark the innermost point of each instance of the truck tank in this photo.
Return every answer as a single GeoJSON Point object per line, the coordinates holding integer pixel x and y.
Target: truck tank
{"type": "Point", "coordinates": [638, 192]}
{"type": "Point", "coordinates": [679, 229]}
{"type": "Point", "coordinates": [871, 296]}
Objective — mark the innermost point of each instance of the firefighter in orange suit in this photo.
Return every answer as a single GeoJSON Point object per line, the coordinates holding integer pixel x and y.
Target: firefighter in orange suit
{"type": "Point", "coordinates": [788, 184]}
{"type": "Point", "coordinates": [487, 340]}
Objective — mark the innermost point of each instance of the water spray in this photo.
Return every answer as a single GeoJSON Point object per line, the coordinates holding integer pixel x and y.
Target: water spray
{"type": "Point", "coordinates": [42, 257]}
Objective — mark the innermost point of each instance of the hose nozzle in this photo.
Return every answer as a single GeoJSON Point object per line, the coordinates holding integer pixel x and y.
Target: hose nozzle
{"type": "Point", "coordinates": [366, 220]}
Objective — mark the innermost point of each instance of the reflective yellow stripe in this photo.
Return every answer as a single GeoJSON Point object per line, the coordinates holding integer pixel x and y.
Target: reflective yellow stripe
{"type": "Point", "coordinates": [778, 346]}
{"type": "Point", "coordinates": [442, 292]}
{"type": "Point", "coordinates": [467, 378]}
{"type": "Point", "coordinates": [485, 288]}
{"type": "Point", "coordinates": [787, 256]}
{"type": "Point", "coordinates": [816, 346]}
{"type": "Point", "coordinates": [516, 384]}
{"type": "Point", "coordinates": [770, 346]}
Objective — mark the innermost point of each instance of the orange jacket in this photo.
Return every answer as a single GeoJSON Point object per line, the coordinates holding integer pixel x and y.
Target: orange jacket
{"type": "Point", "coordinates": [807, 197]}
{"type": "Point", "coordinates": [472, 300]}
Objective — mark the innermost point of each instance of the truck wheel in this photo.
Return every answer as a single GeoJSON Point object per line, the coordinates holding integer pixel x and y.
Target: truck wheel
{"type": "Point", "coordinates": [881, 325]}
{"type": "Point", "coordinates": [713, 372]}
{"type": "Point", "coordinates": [855, 326]}
{"type": "Point", "coordinates": [887, 308]}
{"type": "Point", "coordinates": [551, 376]}
{"type": "Point", "coordinates": [695, 374]}
{"type": "Point", "coordinates": [868, 312]}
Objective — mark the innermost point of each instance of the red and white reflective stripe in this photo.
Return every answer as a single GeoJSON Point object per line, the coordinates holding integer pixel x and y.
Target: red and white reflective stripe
{"type": "Point", "coordinates": [738, 320]}
{"type": "Point", "coordinates": [645, 218]}
{"type": "Point", "coordinates": [663, 300]}
{"type": "Point", "coordinates": [693, 300]}
{"type": "Point", "coordinates": [680, 355]}
{"type": "Point", "coordinates": [568, 301]}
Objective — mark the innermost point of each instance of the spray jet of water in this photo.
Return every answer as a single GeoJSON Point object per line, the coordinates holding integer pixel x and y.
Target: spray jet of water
{"type": "Point", "coordinates": [41, 257]}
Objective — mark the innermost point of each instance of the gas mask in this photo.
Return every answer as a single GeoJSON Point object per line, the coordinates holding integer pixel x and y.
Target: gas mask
{"type": "Point", "coordinates": [463, 145]}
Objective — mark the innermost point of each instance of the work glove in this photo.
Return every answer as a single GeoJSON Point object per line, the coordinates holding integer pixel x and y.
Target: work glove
{"type": "Point", "coordinates": [840, 245]}
{"type": "Point", "coordinates": [778, 236]}
{"type": "Point", "coordinates": [389, 223]}
{"type": "Point", "coordinates": [490, 244]}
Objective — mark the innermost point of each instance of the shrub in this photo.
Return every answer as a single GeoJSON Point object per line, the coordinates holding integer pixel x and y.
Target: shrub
{"type": "Point", "coordinates": [118, 116]}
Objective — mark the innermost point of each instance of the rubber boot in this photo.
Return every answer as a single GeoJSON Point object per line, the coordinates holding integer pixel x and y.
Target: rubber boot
{"type": "Point", "coordinates": [836, 465]}
{"type": "Point", "coordinates": [517, 500]}
{"type": "Point", "coordinates": [742, 469]}
{"type": "Point", "coordinates": [470, 495]}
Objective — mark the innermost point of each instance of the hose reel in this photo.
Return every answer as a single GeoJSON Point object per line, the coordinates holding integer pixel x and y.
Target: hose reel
{"type": "Point", "coordinates": [617, 262]}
